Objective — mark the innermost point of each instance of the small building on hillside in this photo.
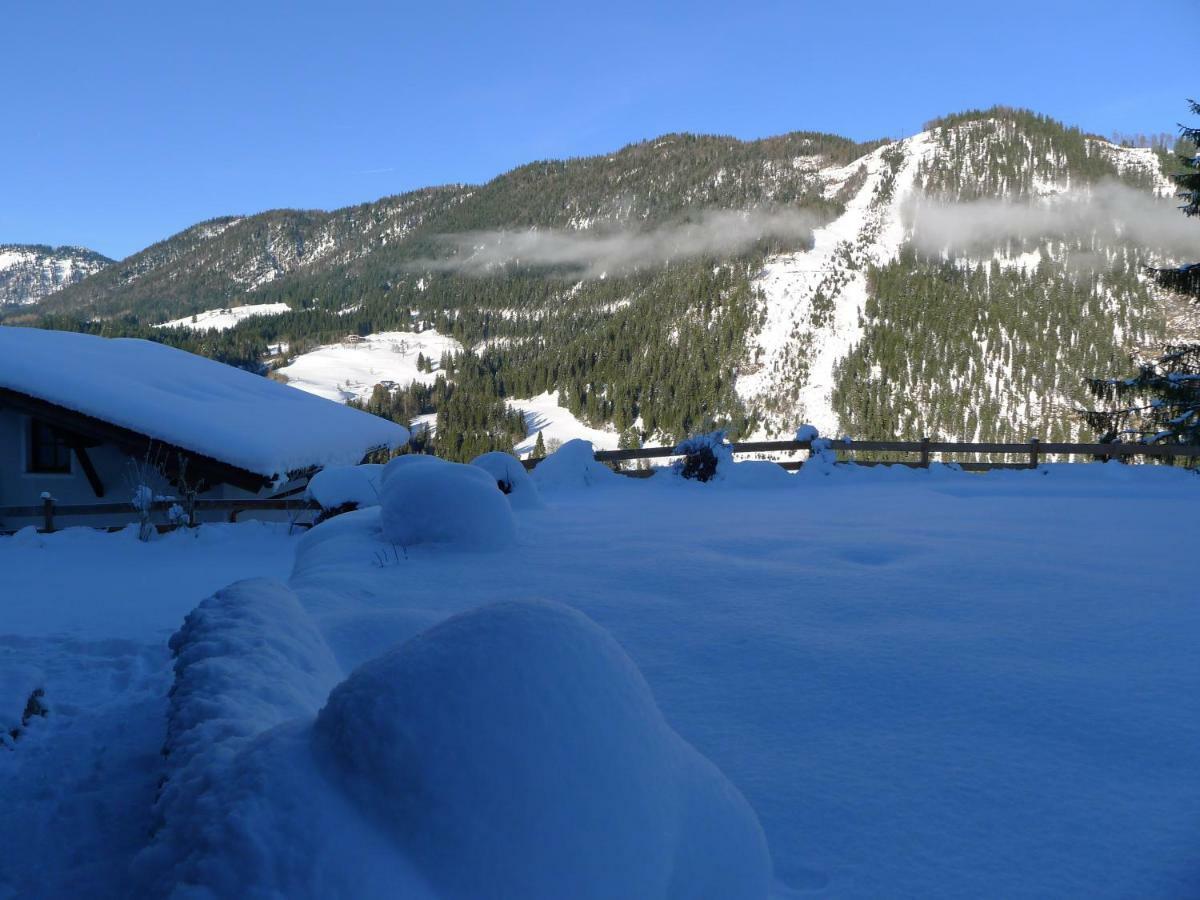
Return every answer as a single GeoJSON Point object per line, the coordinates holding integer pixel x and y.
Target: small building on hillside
{"type": "Point", "coordinates": [86, 419]}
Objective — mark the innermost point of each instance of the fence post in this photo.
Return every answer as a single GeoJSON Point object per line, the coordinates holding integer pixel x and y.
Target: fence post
{"type": "Point", "coordinates": [1033, 452]}
{"type": "Point", "coordinates": [924, 453]}
{"type": "Point", "coordinates": [48, 511]}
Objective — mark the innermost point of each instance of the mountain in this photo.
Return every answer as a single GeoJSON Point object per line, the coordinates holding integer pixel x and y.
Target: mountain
{"type": "Point", "coordinates": [960, 283]}
{"type": "Point", "coordinates": [29, 272]}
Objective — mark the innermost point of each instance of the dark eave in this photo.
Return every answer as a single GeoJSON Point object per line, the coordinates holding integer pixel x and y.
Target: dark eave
{"type": "Point", "coordinates": [166, 456]}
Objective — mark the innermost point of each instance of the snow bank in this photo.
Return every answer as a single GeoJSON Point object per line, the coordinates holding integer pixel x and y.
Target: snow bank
{"type": "Point", "coordinates": [515, 751]}
{"type": "Point", "coordinates": [511, 477]}
{"type": "Point", "coordinates": [247, 659]}
{"type": "Point", "coordinates": [572, 466]}
{"type": "Point", "coordinates": [189, 401]}
{"type": "Point", "coordinates": [426, 500]}
{"type": "Point", "coordinates": [342, 485]}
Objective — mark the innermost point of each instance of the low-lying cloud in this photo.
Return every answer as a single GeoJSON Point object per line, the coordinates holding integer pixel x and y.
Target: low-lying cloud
{"type": "Point", "coordinates": [591, 253]}
{"type": "Point", "coordinates": [1107, 213]}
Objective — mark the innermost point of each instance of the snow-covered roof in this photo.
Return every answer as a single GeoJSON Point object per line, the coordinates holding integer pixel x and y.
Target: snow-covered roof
{"type": "Point", "coordinates": [189, 401]}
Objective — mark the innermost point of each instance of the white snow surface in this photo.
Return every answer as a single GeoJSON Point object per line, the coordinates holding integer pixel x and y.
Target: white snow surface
{"type": "Point", "coordinates": [522, 493]}
{"type": "Point", "coordinates": [224, 319]}
{"type": "Point", "coordinates": [189, 401]}
{"type": "Point", "coordinates": [923, 683]}
{"type": "Point", "coordinates": [338, 486]}
{"type": "Point", "coordinates": [351, 371]}
{"type": "Point", "coordinates": [543, 413]}
{"type": "Point", "coordinates": [426, 500]}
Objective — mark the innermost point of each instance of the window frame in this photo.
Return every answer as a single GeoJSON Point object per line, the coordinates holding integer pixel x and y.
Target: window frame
{"type": "Point", "coordinates": [35, 430]}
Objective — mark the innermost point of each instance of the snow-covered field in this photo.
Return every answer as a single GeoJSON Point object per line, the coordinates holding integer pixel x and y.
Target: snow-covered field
{"type": "Point", "coordinates": [923, 683]}
{"type": "Point", "coordinates": [350, 371]}
{"type": "Point", "coordinates": [224, 319]}
{"type": "Point", "coordinates": [556, 423]}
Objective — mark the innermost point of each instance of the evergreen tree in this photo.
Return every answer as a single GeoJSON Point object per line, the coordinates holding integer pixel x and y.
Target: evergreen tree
{"type": "Point", "coordinates": [1161, 403]}
{"type": "Point", "coordinates": [539, 448]}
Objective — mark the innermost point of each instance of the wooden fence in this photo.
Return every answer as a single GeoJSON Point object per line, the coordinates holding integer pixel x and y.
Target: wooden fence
{"type": "Point", "coordinates": [1033, 453]}
{"type": "Point", "coordinates": [49, 510]}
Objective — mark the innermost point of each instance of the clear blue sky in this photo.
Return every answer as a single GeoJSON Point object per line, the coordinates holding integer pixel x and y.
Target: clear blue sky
{"type": "Point", "coordinates": [126, 122]}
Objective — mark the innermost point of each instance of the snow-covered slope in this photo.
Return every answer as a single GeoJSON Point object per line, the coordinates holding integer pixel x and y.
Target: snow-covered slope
{"type": "Point", "coordinates": [224, 319]}
{"type": "Point", "coordinates": [813, 304]}
{"type": "Point", "coordinates": [350, 370]}
{"type": "Point", "coordinates": [29, 272]}
{"type": "Point", "coordinates": [557, 423]}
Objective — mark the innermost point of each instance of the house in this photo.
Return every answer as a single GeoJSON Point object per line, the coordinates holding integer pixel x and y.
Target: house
{"type": "Point", "coordinates": [83, 417]}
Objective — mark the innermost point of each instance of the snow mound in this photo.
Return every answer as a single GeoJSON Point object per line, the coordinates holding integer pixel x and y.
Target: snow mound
{"type": "Point", "coordinates": [807, 433]}
{"type": "Point", "coordinates": [444, 503]}
{"type": "Point", "coordinates": [573, 465]}
{"type": "Point", "coordinates": [341, 485]}
{"type": "Point", "coordinates": [246, 659]}
{"type": "Point", "coordinates": [515, 751]}
{"type": "Point", "coordinates": [511, 477]}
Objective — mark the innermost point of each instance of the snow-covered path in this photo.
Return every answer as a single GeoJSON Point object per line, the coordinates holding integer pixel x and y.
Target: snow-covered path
{"type": "Point", "coordinates": [86, 615]}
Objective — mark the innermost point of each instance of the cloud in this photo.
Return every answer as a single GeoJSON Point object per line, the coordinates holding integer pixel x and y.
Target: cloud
{"type": "Point", "coordinates": [595, 252]}
{"type": "Point", "coordinates": [1108, 213]}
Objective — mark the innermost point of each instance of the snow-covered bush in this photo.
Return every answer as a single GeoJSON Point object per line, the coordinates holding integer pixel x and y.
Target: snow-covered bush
{"type": "Point", "coordinates": [511, 477]}
{"type": "Point", "coordinates": [573, 465]}
{"type": "Point", "coordinates": [444, 503]}
{"type": "Point", "coordinates": [342, 489]}
{"type": "Point", "coordinates": [515, 751]}
{"type": "Point", "coordinates": [703, 455]}
{"type": "Point", "coordinates": [807, 433]}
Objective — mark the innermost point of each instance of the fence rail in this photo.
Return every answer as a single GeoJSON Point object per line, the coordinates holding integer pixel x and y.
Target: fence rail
{"type": "Point", "coordinates": [1034, 452]}
{"type": "Point", "coordinates": [49, 509]}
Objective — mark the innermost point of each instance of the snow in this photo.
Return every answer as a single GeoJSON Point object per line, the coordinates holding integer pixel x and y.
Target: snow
{"type": "Point", "coordinates": [191, 402]}
{"type": "Point", "coordinates": [921, 682]}
{"type": "Point", "coordinates": [86, 615]}
{"type": "Point", "coordinates": [426, 500]}
{"type": "Point", "coordinates": [532, 700]}
{"type": "Point", "coordinates": [573, 465]}
{"type": "Point", "coordinates": [798, 346]}
{"type": "Point", "coordinates": [556, 423]}
{"type": "Point", "coordinates": [511, 477]}
{"type": "Point", "coordinates": [351, 371]}
{"type": "Point", "coordinates": [224, 319]}
{"type": "Point", "coordinates": [339, 486]}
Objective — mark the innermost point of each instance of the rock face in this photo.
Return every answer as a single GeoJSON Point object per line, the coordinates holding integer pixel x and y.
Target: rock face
{"type": "Point", "coordinates": [28, 272]}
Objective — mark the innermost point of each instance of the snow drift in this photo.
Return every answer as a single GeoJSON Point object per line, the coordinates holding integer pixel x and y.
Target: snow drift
{"type": "Point", "coordinates": [431, 501]}
{"type": "Point", "coordinates": [511, 477]}
{"type": "Point", "coordinates": [343, 485]}
{"type": "Point", "coordinates": [573, 465]}
{"type": "Point", "coordinates": [516, 751]}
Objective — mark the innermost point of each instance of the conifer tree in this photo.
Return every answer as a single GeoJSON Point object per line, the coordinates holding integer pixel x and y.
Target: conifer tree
{"type": "Point", "coordinates": [539, 448]}
{"type": "Point", "coordinates": [1161, 403]}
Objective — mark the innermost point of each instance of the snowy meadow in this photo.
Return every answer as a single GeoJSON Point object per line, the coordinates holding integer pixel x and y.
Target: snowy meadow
{"type": "Point", "coordinates": [846, 682]}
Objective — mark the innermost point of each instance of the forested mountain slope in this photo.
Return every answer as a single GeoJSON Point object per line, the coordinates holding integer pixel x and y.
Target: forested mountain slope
{"type": "Point", "coordinates": [959, 283]}
{"type": "Point", "coordinates": [29, 272]}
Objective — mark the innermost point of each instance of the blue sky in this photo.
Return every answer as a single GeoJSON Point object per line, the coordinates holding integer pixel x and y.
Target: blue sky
{"type": "Point", "coordinates": [127, 122]}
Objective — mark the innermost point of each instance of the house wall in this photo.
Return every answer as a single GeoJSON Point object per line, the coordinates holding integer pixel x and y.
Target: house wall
{"type": "Point", "coordinates": [117, 472]}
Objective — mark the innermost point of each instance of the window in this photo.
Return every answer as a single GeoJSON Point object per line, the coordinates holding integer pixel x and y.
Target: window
{"type": "Point", "coordinates": [49, 452]}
